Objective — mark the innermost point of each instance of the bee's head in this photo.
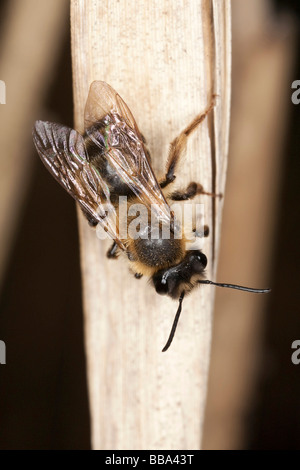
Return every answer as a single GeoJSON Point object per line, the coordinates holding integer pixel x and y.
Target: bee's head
{"type": "Point", "coordinates": [182, 277]}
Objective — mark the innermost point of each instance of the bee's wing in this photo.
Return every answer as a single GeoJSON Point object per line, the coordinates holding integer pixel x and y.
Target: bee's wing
{"type": "Point", "coordinates": [62, 150]}
{"type": "Point", "coordinates": [125, 148]}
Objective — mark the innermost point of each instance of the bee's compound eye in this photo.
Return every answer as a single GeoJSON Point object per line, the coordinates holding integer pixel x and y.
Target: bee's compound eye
{"type": "Point", "coordinates": [198, 261]}
{"type": "Point", "coordinates": [203, 259]}
{"type": "Point", "coordinates": [160, 284]}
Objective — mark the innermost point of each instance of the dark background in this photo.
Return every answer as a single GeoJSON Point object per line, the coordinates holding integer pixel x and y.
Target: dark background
{"type": "Point", "coordinates": [44, 401]}
{"type": "Point", "coordinates": [276, 415]}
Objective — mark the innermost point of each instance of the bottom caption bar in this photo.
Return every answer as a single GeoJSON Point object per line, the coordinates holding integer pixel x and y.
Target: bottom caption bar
{"type": "Point", "coordinates": [138, 459]}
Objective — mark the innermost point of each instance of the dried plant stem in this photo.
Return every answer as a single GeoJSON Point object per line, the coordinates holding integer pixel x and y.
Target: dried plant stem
{"type": "Point", "coordinates": [166, 61]}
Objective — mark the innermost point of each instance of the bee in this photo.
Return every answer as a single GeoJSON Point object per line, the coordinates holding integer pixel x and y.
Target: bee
{"type": "Point", "coordinates": [111, 161]}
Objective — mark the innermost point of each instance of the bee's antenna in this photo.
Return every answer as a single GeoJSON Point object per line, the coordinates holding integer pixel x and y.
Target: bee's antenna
{"type": "Point", "coordinates": [235, 286]}
{"type": "Point", "coordinates": [218, 284]}
{"type": "Point", "coordinates": [174, 326]}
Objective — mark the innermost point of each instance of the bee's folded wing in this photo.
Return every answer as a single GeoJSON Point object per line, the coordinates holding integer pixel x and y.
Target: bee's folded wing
{"type": "Point", "coordinates": [125, 149]}
{"type": "Point", "coordinates": [103, 100]}
{"type": "Point", "coordinates": [63, 152]}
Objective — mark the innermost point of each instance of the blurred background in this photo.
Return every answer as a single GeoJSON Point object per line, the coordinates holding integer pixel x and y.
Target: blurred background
{"type": "Point", "coordinates": [254, 388]}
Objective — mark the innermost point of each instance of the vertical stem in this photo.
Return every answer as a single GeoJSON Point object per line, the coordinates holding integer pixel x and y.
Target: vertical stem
{"type": "Point", "coordinates": [165, 58]}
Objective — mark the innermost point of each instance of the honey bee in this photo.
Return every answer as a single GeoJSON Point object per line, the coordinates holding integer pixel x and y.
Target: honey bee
{"type": "Point", "coordinates": [111, 161]}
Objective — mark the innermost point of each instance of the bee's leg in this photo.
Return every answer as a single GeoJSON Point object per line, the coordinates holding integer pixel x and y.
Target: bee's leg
{"type": "Point", "coordinates": [136, 274]}
{"type": "Point", "coordinates": [145, 147]}
{"type": "Point", "coordinates": [203, 233]}
{"type": "Point", "coordinates": [143, 138]}
{"type": "Point", "coordinates": [91, 220]}
{"type": "Point", "coordinates": [113, 251]}
{"type": "Point", "coordinates": [178, 145]}
{"type": "Point", "coordinates": [190, 192]}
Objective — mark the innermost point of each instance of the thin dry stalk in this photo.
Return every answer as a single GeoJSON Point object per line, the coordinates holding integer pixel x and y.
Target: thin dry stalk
{"type": "Point", "coordinates": [166, 59]}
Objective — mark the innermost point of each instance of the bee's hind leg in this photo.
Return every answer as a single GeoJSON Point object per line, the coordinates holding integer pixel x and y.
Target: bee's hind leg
{"type": "Point", "coordinates": [190, 192]}
{"type": "Point", "coordinates": [178, 145]}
